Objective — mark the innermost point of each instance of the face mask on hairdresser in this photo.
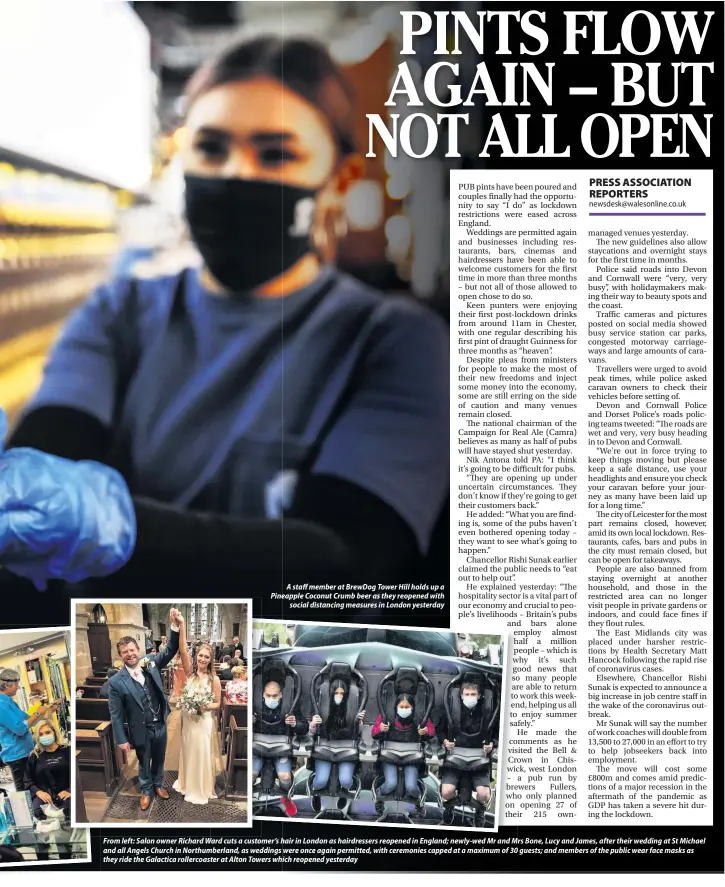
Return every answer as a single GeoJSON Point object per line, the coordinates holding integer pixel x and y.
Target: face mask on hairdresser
{"type": "Point", "coordinates": [248, 231]}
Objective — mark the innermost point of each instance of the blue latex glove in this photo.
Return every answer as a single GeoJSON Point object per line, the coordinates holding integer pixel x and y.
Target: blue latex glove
{"type": "Point", "coordinates": [61, 519]}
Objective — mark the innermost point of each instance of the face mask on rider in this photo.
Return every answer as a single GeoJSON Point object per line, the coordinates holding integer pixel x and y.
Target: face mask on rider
{"type": "Point", "coordinates": [404, 712]}
{"type": "Point", "coordinates": [338, 700]}
{"type": "Point", "coordinates": [248, 231]}
{"type": "Point", "coordinates": [470, 701]}
{"type": "Point", "coordinates": [271, 703]}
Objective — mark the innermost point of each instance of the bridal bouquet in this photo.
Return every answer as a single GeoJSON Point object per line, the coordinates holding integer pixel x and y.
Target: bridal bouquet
{"type": "Point", "coordinates": [194, 699]}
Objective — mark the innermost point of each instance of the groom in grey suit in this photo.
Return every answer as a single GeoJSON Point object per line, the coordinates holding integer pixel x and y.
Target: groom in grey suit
{"type": "Point", "coordinates": [138, 708]}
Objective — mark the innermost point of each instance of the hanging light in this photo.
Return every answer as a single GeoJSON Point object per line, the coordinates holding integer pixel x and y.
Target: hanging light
{"type": "Point", "coordinates": [364, 205]}
{"type": "Point", "coordinates": [99, 615]}
{"type": "Point", "coordinates": [398, 186]}
{"type": "Point", "coordinates": [398, 234]}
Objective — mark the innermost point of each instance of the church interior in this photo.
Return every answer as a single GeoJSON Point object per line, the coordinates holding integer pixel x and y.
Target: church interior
{"type": "Point", "coordinates": [109, 774]}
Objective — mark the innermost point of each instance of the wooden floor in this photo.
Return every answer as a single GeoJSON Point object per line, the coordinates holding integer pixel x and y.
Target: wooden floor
{"type": "Point", "coordinates": [96, 803]}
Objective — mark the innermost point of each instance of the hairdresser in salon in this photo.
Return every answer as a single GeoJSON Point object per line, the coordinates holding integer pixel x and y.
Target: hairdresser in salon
{"type": "Point", "coordinates": [265, 413]}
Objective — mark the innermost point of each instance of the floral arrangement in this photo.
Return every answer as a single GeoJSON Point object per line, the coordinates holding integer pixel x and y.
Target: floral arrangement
{"type": "Point", "coordinates": [237, 690]}
{"type": "Point", "coordinates": [146, 663]}
{"type": "Point", "coordinates": [194, 699]}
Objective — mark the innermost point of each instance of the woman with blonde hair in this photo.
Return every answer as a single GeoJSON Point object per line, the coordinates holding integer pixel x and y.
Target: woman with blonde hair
{"type": "Point", "coordinates": [200, 757]}
{"type": "Point", "coordinates": [236, 689]}
{"type": "Point", "coordinates": [47, 773]}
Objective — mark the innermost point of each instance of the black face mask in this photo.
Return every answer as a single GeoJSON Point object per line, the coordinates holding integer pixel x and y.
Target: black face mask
{"type": "Point", "coordinates": [247, 231]}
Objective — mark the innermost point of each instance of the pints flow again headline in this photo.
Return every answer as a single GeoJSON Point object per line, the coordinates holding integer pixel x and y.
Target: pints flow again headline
{"type": "Point", "coordinates": [513, 84]}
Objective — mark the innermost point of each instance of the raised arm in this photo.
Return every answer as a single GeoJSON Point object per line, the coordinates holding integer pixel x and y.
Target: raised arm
{"type": "Point", "coordinates": [186, 663]}
{"type": "Point", "coordinates": [16, 720]}
{"type": "Point", "coordinates": [43, 712]}
{"type": "Point", "coordinates": [163, 658]}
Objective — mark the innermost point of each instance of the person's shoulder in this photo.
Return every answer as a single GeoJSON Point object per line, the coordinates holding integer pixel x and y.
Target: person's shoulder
{"type": "Point", "coordinates": [354, 289]}
{"type": "Point", "coordinates": [140, 296]}
{"type": "Point", "coordinates": [117, 679]}
{"type": "Point", "coordinates": [396, 303]}
{"type": "Point", "coordinates": [149, 290]}
{"type": "Point", "coordinates": [394, 311]}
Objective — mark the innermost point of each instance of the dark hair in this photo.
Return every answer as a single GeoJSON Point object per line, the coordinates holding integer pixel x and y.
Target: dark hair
{"type": "Point", "coordinates": [469, 685]}
{"type": "Point", "coordinates": [301, 65]}
{"type": "Point", "coordinates": [124, 641]}
{"type": "Point", "coordinates": [337, 717]}
{"type": "Point", "coordinates": [405, 697]}
{"type": "Point", "coordinates": [227, 659]}
{"type": "Point", "coordinates": [111, 672]}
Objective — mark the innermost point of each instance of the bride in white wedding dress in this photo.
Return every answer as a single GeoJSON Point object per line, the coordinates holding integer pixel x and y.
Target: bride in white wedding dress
{"type": "Point", "coordinates": [200, 759]}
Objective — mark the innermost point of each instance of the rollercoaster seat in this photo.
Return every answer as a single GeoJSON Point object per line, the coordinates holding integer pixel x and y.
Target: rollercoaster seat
{"type": "Point", "coordinates": [265, 744]}
{"type": "Point", "coordinates": [399, 806]}
{"type": "Point", "coordinates": [466, 759]}
{"type": "Point", "coordinates": [337, 751]}
{"type": "Point", "coordinates": [401, 753]}
{"type": "Point", "coordinates": [340, 750]}
{"type": "Point", "coordinates": [469, 758]}
{"type": "Point", "coordinates": [410, 680]}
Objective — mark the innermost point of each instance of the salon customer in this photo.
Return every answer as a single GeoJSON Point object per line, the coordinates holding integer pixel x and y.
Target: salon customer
{"type": "Point", "coordinates": [16, 740]}
{"type": "Point", "coordinates": [47, 774]}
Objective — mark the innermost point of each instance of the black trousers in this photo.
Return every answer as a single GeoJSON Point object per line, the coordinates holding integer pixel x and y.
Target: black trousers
{"type": "Point", "coordinates": [17, 768]}
{"type": "Point", "coordinates": [64, 805]}
{"type": "Point", "coordinates": [63, 849]}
